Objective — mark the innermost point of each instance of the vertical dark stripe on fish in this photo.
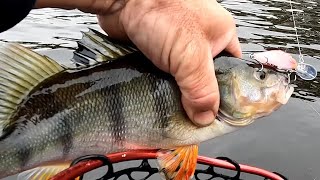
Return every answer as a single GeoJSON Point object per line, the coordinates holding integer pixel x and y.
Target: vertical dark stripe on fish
{"type": "Point", "coordinates": [67, 139]}
{"type": "Point", "coordinates": [116, 111]}
{"type": "Point", "coordinates": [160, 104]}
{"type": "Point", "coordinates": [22, 150]}
{"type": "Point", "coordinates": [24, 155]}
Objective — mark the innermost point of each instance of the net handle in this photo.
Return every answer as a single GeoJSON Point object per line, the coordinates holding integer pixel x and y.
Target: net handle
{"type": "Point", "coordinates": [86, 166]}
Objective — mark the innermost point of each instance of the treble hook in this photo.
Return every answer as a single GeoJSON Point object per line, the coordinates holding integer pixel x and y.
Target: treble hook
{"type": "Point", "coordinates": [262, 67]}
{"type": "Point", "coordinates": [289, 76]}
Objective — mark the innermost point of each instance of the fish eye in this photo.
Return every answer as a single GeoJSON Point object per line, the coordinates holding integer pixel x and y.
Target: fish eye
{"type": "Point", "coordinates": [260, 75]}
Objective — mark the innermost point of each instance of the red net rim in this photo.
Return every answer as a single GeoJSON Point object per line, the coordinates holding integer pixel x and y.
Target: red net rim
{"type": "Point", "coordinates": [86, 166]}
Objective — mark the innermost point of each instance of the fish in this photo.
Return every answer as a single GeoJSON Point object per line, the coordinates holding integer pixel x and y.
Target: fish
{"type": "Point", "coordinates": [114, 99]}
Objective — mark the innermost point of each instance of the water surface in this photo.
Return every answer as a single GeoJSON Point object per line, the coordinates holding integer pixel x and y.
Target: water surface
{"type": "Point", "coordinates": [288, 141]}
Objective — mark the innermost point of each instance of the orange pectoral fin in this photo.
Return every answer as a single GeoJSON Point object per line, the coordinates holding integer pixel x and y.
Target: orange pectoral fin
{"type": "Point", "coordinates": [180, 163]}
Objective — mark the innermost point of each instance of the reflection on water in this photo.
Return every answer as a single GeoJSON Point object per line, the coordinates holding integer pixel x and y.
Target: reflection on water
{"type": "Point", "coordinates": [288, 140]}
{"type": "Point", "coordinates": [51, 29]}
{"type": "Point", "coordinates": [269, 23]}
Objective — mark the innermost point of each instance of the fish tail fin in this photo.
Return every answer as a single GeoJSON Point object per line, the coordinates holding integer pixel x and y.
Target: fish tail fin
{"type": "Point", "coordinates": [96, 47]}
{"type": "Point", "coordinates": [21, 70]}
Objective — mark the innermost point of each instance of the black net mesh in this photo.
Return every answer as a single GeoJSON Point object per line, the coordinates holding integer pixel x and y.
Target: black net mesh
{"type": "Point", "coordinates": [145, 170]}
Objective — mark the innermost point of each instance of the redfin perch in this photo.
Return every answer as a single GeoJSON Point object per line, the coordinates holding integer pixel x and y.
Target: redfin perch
{"type": "Point", "coordinates": [50, 115]}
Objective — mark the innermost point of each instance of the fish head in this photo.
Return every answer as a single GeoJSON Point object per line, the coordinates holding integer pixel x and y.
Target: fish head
{"type": "Point", "coordinates": [248, 92]}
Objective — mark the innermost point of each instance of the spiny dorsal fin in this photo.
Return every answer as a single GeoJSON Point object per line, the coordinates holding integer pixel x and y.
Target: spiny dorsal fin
{"type": "Point", "coordinates": [95, 47]}
{"type": "Point", "coordinates": [20, 71]}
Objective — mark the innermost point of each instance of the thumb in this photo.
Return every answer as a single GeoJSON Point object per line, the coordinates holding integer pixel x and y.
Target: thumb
{"type": "Point", "coordinates": [234, 47]}
{"type": "Point", "coordinates": [196, 78]}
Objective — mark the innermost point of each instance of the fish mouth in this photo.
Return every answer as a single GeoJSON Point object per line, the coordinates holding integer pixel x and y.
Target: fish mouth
{"type": "Point", "coordinates": [285, 96]}
{"type": "Point", "coordinates": [286, 89]}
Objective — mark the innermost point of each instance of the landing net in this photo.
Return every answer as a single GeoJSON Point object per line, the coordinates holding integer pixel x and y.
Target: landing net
{"type": "Point", "coordinates": [220, 168]}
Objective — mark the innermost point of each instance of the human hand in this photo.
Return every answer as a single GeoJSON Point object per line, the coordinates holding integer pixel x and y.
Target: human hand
{"type": "Point", "coordinates": [180, 37]}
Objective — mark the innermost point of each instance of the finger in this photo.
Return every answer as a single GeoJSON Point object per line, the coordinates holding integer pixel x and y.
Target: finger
{"type": "Point", "coordinates": [234, 47]}
{"type": "Point", "coordinates": [112, 26]}
{"type": "Point", "coordinates": [196, 79]}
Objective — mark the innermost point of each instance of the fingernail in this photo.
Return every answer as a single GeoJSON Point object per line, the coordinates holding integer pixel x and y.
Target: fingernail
{"type": "Point", "coordinates": [203, 118]}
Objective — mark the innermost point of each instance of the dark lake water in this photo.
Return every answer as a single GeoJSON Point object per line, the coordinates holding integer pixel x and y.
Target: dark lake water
{"type": "Point", "coordinates": [288, 141]}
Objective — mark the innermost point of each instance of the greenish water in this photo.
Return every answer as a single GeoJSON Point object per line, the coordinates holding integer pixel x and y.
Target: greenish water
{"type": "Point", "coordinates": [288, 141]}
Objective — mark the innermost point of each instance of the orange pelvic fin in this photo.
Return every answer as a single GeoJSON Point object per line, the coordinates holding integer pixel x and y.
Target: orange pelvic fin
{"type": "Point", "coordinates": [178, 164]}
{"type": "Point", "coordinates": [43, 172]}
